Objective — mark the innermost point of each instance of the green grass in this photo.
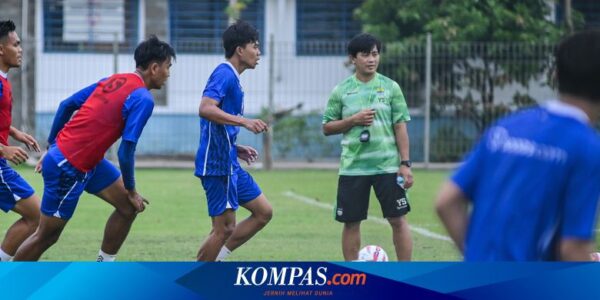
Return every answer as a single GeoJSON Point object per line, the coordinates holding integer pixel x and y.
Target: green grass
{"type": "Point", "coordinates": [176, 222]}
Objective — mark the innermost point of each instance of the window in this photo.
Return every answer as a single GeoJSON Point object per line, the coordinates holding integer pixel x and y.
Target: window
{"type": "Point", "coordinates": [197, 26]}
{"type": "Point", "coordinates": [324, 27]}
{"type": "Point", "coordinates": [90, 26]}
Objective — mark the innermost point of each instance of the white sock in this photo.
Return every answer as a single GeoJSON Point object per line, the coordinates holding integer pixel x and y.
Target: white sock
{"type": "Point", "coordinates": [5, 256]}
{"type": "Point", "coordinates": [223, 254]}
{"type": "Point", "coordinates": [105, 257]}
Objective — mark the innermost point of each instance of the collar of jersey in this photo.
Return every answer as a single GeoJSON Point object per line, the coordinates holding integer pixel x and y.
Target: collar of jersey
{"type": "Point", "coordinates": [234, 70]}
{"type": "Point", "coordinates": [564, 109]}
{"type": "Point", "coordinates": [4, 75]}
{"type": "Point", "coordinates": [370, 82]}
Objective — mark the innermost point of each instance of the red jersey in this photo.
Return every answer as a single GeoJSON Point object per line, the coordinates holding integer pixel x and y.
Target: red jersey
{"type": "Point", "coordinates": [5, 109]}
{"type": "Point", "coordinates": [98, 123]}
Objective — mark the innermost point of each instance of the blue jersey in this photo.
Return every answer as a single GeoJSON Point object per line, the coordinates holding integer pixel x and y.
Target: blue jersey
{"type": "Point", "coordinates": [533, 180]}
{"type": "Point", "coordinates": [217, 153]}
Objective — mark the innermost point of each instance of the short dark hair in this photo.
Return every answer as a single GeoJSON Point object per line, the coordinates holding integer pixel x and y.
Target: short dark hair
{"type": "Point", "coordinates": [364, 43]}
{"type": "Point", "coordinates": [578, 65]}
{"type": "Point", "coordinates": [152, 50]}
{"type": "Point", "coordinates": [6, 27]}
{"type": "Point", "coordinates": [238, 34]}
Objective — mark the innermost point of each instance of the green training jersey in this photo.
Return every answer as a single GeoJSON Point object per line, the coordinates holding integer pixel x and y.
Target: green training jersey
{"type": "Point", "coordinates": [379, 155]}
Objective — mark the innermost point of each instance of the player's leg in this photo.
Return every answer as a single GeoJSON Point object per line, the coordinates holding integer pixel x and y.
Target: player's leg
{"type": "Point", "coordinates": [106, 183]}
{"type": "Point", "coordinates": [29, 209]}
{"type": "Point", "coordinates": [44, 237]}
{"type": "Point", "coordinates": [395, 206]}
{"type": "Point", "coordinates": [221, 196]}
{"type": "Point", "coordinates": [351, 208]}
{"type": "Point", "coordinates": [222, 228]}
{"type": "Point", "coordinates": [17, 195]}
{"type": "Point", "coordinates": [63, 185]}
{"type": "Point", "coordinates": [251, 198]}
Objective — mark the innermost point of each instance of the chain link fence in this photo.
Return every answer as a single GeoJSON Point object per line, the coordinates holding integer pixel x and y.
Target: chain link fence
{"type": "Point", "coordinates": [464, 87]}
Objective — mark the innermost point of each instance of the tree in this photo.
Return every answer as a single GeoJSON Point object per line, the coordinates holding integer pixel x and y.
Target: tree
{"type": "Point", "coordinates": [479, 46]}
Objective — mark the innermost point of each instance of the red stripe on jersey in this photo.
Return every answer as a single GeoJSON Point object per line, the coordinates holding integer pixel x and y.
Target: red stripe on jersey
{"type": "Point", "coordinates": [98, 123]}
{"type": "Point", "coordinates": [5, 110]}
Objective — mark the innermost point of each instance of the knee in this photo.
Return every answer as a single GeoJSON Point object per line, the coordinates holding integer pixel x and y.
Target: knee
{"type": "Point", "coordinates": [225, 231]}
{"type": "Point", "coordinates": [45, 240]}
{"type": "Point", "coordinates": [32, 224]}
{"type": "Point", "coordinates": [264, 216]}
{"type": "Point", "coordinates": [399, 223]}
{"type": "Point", "coordinates": [126, 211]}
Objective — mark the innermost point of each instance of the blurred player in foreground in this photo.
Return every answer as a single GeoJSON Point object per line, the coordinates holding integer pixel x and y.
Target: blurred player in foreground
{"type": "Point", "coordinates": [533, 180]}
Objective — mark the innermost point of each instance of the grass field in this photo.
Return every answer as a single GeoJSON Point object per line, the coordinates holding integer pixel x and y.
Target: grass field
{"type": "Point", "coordinates": [175, 223]}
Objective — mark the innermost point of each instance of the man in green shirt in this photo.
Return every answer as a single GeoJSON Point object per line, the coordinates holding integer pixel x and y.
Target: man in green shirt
{"type": "Point", "coordinates": [371, 113]}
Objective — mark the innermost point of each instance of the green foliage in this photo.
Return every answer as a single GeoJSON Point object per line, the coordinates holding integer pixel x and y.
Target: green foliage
{"type": "Point", "coordinates": [234, 10]}
{"type": "Point", "coordinates": [449, 144]}
{"type": "Point", "coordinates": [301, 135]}
{"type": "Point", "coordinates": [509, 42]}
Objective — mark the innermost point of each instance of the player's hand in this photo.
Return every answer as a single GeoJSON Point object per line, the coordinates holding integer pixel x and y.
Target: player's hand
{"type": "Point", "coordinates": [364, 117]}
{"type": "Point", "coordinates": [138, 202]}
{"type": "Point", "coordinates": [247, 154]}
{"type": "Point", "coordinates": [38, 166]}
{"type": "Point", "coordinates": [406, 173]}
{"type": "Point", "coordinates": [255, 125]}
{"type": "Point", "coordinates": [14, 154]}
{"type": "Point", "coordinates": [28, 140]}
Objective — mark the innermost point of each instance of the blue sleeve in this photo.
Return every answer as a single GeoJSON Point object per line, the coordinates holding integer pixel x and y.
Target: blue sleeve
{"type": "Point", "coordinates": [582, 194]}
{"type": "Point", "coordinates": [136, 112]}
{"type": "Point", "coordinates": [218, 84]}
{"type": "Point", "coordinates": [66, 109]}
{"type": "Point", "coordinates": [127, 162]}
{"type": "Point", "coordinates": [468, 174]}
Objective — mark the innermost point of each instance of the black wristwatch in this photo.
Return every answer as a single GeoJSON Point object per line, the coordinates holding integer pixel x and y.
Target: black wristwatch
{"type": "Point", "coordinates": [407, 163]}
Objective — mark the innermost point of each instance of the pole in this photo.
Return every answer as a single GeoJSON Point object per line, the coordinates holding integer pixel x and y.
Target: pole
{"type": "Point", "coordinates": [427, 108]}
{"type": "Point", "coordinates": [268, 136]}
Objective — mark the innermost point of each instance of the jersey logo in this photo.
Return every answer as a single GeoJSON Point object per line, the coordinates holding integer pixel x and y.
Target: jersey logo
{"type": "Point", "coordinates": [114, 84]}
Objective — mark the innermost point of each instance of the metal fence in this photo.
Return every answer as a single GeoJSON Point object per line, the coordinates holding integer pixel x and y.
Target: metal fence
{"type": "Point", "coordinates": [454, 90]}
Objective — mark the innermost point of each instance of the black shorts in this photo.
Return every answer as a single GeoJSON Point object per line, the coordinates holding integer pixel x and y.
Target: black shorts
{"type": "Point", "coordinates": [353, 197]}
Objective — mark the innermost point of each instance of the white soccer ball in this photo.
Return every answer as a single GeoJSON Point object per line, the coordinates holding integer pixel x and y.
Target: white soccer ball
{"type": "Point", "coordinates": [372, 253]}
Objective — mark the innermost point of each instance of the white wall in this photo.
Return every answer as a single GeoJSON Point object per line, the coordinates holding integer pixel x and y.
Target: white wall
{"type": "Point", "coordinates": [297, 79]}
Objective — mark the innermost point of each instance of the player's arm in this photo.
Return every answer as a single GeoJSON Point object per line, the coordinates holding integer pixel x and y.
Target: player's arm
{"type": "Point", "coordinates": [451, 207]}
{"type": "Point", "coordinates": [333, 123]}
{"type": "Point", "coordinates": [247, 153]}
{"type": "Point", "coordinates": [24, 138]}
{"type": "Point", "coordinates": [210, 110]}
{"type": "Point", "coordinates": [66, 109]}
{"type": "Point", "coordinates": [136, 111]}
{"type": "Point", "coordinates": [362, 118]}
{"type": "Point", "coordinates": [575, 249]}
{"type": "Point", "coordinates": [403, 143]}
{"type": "Point", "coordinates": [580, 208]}
{"type": "Point", "coordinates": [14, 154]}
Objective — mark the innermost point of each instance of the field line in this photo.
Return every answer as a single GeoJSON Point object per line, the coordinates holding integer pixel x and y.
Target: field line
{"type": "Point", "coordinates": [419, 230]}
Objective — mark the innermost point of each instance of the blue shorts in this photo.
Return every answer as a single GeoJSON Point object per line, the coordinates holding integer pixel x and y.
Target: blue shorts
{"type": "Point", "coordinates": [228, 192]}
{"type": "Point", "coordinates": [63, 184]}
{"type": "Point", "coordinates": [12, 187]}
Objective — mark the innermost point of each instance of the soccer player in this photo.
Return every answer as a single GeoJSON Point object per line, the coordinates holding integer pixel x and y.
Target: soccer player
{"type": "Point", "coordinates": [371, 113]}
{"type": "Point", "coordinates": [532, 181]}
{"type": "Point", "coordinates": [15, 193]}
{"type": "Point", "coordinates": [226, 184]}
{"type": "Point", "coordinates": [118, 106]}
